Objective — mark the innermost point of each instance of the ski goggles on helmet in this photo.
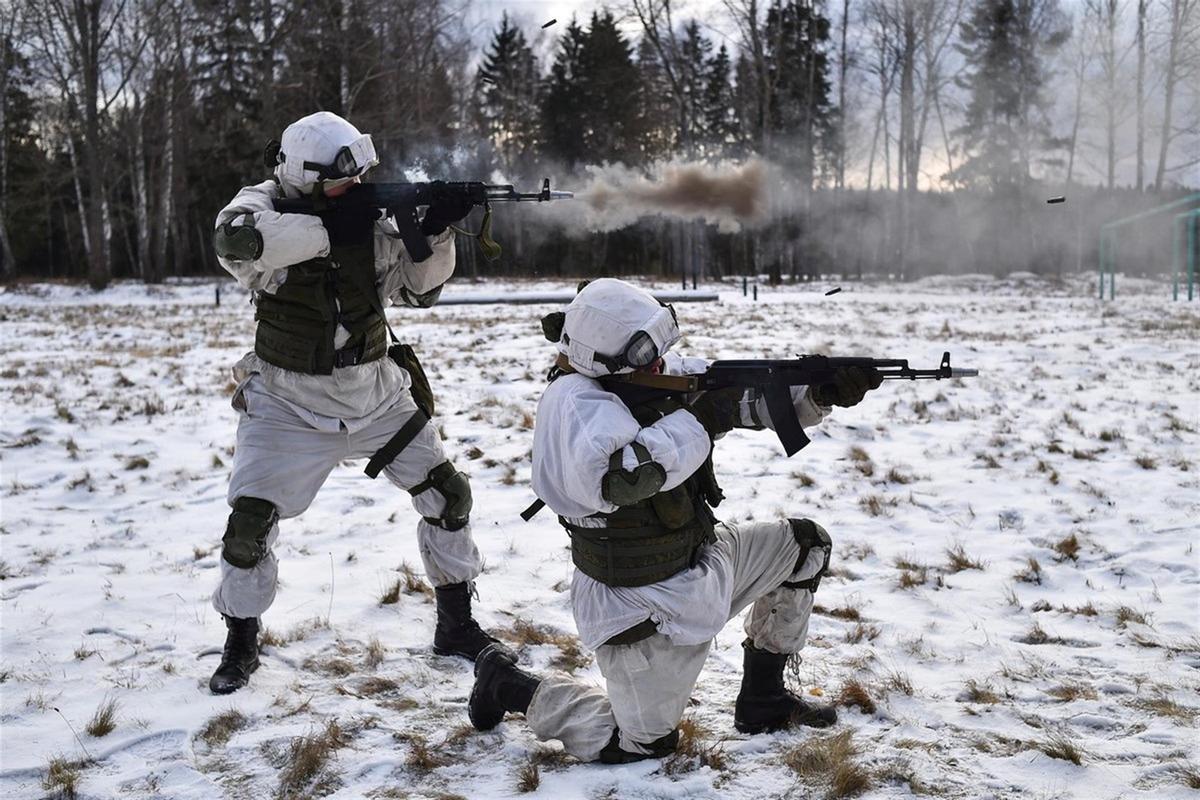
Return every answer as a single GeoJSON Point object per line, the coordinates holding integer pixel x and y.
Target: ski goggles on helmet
{"type": "Point", "coordinates": [351, 160]}
{"type": "Point", "coordinates": [643, 348]}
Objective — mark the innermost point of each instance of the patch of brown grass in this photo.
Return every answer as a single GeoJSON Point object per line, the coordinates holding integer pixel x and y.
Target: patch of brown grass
{"type": "Point", "coordinates": [1146, 462]}
{"type": "Point", "coordinates": [862, 631]}
{"type": "Point", "coordinates": [1125, 615]}
{"type": "Point", "coordinates": [854, 694]}
{"type": "Point", "coordinates": [1069, 692]}
{"type": "Point", "coordinates": [696, 749]}
{"type": "Point", "coordinates": [958, 560]}
{"type": "Point", "coordinates": [910, 578]}
{"type": "Point", "coordinates": [830, 760]}
{"type": "Point", "coordinates": [1062, 748]}
{"type": "Point", "coordinates": [104, 721]}
{"type": "Point", "coordinates": [848, 613]}
{"type": "Point", "coordinates": [976, 692]}
{"type": "Point", "coordinates": [571, 655]}
{"type": "Point", "coordinates": [877, 506]}
{"type": "Point", "coordinates": [1085, 610]}
{"type": "Point", "coordinates": [62, 778]}
{"type": "Point", "coordinates": [376, 684]}
{"type": "Point", "coordinates": [1068, 547]}
{"type": "Point", "coordinates": [528, 777]}
{"type": "Point", "coordinates": [1166, 707]}
{"type": "Point", "coordinates": [374, 654]}
{"type": "Point", "coordinates": [420, 757]}
{"type": "Point", "coordinates": [1030, 573]}
{"type": "Point", "coordinates": [391, 595]}
{"type": "Point", "coordinates": [413, 583]}
{"type": "Point", "coordinates": [307, 758]}
{"type": "Point", "coordinates": [218, 730]}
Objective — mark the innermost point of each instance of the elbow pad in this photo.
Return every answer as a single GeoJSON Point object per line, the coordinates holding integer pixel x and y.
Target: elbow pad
{"type": "Point", "coordinates": [238, 242]}
{"type": "Point", "coordinates": [424, 300]}
{"type": "Point", "coordinates": [623, 487]}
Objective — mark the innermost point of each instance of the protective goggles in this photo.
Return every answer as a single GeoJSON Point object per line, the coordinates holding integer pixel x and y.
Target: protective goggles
{"type": "Point", "coordinates": [641, 350]}
{"type": "Point", "coordinates": [351, 160]}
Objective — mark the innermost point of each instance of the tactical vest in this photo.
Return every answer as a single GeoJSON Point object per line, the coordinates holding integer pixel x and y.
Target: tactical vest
{"type": "Point", "coordinates": [653, 539]}
{"type": "Point", "coordinates": [297, 324]}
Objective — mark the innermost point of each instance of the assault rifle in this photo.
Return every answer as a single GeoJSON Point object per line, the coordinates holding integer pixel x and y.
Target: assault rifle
{"type": "Point", "coordinates": [400, 200]}
{"type": "Point", "coordinates": [773, 378]}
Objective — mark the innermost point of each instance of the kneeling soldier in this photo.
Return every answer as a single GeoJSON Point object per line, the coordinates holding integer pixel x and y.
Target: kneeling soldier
{"type": "Point", "coordinates": [629, 472]}
{"type": "Point", "coordinates": [322, 384]}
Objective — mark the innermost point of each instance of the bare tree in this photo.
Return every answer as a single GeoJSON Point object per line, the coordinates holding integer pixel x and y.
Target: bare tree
{"type": "Point", "coordinates": [1181, 63]}
{"type": "Point", "coordinates": [11, 31]}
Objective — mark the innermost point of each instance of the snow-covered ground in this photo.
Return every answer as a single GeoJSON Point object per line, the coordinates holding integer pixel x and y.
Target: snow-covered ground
{"type": "Point", "coordinates": [1015, 587]}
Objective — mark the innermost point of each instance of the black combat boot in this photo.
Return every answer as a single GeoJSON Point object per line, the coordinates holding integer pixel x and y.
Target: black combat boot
{"type": "Point", "coordinates": [500, 686]}
{"type": "Point", "coordinates": [457, 634]}
{"type": "Point", "coordinates": [239, 658]}
{"type": "Point", "coordinates": [764, 703]}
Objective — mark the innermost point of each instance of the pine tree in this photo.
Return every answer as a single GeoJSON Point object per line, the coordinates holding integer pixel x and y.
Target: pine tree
{"type": "Point", "coordinates": [721, 131]}
{"type": "Point", "coordinates": [658, 120]}
{"type": "Point", "coordinates": [507, 91]}
{"type": "Point", "coordinates": [1005, 44]}
{"type": "Point", "coordinates": [563, 106]}
{"type": "Point", "coordinates": [797, 34]}
{"type": "Point", "coordinates": [693, 62]}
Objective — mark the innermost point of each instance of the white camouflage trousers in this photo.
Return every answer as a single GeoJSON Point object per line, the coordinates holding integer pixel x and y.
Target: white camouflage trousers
{"type": "Point", "coordinates": [284, 460]}
{"type": "Point", "coordinates": [649, 682]}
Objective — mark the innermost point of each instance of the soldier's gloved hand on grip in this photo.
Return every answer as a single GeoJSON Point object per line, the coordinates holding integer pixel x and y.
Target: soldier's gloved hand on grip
{"type": "Point", "coordinates": [443, 212]}
{"type": "Point", "coordinates": [348, 225]}
{"type": "Point", "coordinates": [849, 386]}
{"type": "Point", "coordinates": [718, 409]}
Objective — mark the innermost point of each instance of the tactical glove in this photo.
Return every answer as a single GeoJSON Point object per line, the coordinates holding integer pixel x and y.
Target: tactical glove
{"type": "Point", "coordinates": [849, 386]}
{"type": "Point", "coordinates": [443, 212]}
{"type": "Point", "coordinates": [718, 409]}
{"type": "Point", "coordinates": [349, 225]}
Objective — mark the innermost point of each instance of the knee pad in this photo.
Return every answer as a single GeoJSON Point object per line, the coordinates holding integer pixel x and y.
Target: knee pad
{"type": "Point", "coordinates": [455, 489]}
{"type": "Point", "coordinates": [659, 748]}
{"type": "Point", "coordinates": [808, 535]}
{"type": "Point", "coordinates": [250, 523]}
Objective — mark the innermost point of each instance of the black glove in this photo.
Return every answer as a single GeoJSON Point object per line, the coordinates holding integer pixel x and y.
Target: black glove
{"type": "Point", "coordinates": [349, 225]}
{"type": "Point", "coordinates": [445, 210]}
{"type": "Point", "coordinates": [718, 409]}
{"type": "Point", "coordinates": [850, 385]}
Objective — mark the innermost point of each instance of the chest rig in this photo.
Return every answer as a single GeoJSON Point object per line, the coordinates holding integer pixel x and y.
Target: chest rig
{"type": "Point", "coordinates": [297, 324]}
{"type": "Point", "coordinates": [653, 539]}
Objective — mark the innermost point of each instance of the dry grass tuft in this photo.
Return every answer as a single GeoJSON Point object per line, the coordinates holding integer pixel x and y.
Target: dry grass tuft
{"type": "Point", "coordinates": [374, 654]}
{"type": "Point", "coordinates": [830, 760]}
{"type": "Point", "coordinates": [1126, 615]}
{"type": "Point", "coordinates": [848, 613]}
{"type": "Point", "coordinates": [854, 694]}
{"type": "Point", "coordinates": [978, 693]}
{"type": "Point", "coordinates": [104, 721]}
{"type": "Point", "coordinates": [877, 506]}
{"type": "Point", "coordinates": [1037, 635]}
{"type": "Point", "coordinates": [528, 777]}
{"type": "Point", "coordinates": [861, 461]}
{"type": "Point", "coordinates": [62, 778]}
{"type": "Point", "coordinates": [1068, 547]}
{"type": "Point", "coordinates": [1072, 691]}
{"type": "Point", "coordinates": [1189, 775]}
{"type": "Point", "coordinates": [391, 595]}
{"type": "Point", "coordinates": [571, 655]}
{"type": "Point", "coordinates": [420, 758]}
{"type": "Point", "coordinates": [307, 758]}
{"type": "Point", "coordinates": [1085, 610]}
{"type": "Point", "coordinates": [1031, 573]}
{"type": "Point", "coordinates": [221, 728]}
{"type": "Point", "coordinates": [1146, 462]}
{"type": "Point", "coordinates": [413, 583]}
{"type": "Point", "coordinates": [695, 750]}
{"type": "Point", "coordinates": [375, 684]}
{"type": "Point", "coordinates": [958, 560]}
{"type": "Point", "coordinates": [910, 578]}
{"type": "Point", "coordinates": [862, 631]}
{"type": "Point", "coordinates": [1166, 707]}
{"type": "Point", "coordinates": [1060, 747]}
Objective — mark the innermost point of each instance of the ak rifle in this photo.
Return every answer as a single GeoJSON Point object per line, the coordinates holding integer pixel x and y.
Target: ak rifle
{"type": "Point", "coordinates": [400, 200]}
{"type": "Point", "coordinates": [773, 378]}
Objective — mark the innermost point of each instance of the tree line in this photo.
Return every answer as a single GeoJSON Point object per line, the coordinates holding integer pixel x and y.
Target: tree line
{"type": "Point", "coordinates": [910, 133]}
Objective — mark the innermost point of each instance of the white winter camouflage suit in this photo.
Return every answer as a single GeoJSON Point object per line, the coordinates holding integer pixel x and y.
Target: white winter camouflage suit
{"type": "Point", "coordinates": [294, 427]}
{"type": "Point", "coordinates": [579, 425]}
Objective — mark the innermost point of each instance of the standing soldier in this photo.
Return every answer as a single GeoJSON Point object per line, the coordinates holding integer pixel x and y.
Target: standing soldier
{"type": "Point", "coordinates": [629, 472]}
{"type": "Point", "coordinates": [322, 384]}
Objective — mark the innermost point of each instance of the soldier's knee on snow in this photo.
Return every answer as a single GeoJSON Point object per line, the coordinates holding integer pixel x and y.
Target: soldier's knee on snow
{"type": "Point", "coordinates": [808, 535]}
{"type": "Point", "coordinates": [455, 490]}
{"type": "Point", "coordinates": [659, 748]}
{"type": "Point", "coordinates": [250, 523]}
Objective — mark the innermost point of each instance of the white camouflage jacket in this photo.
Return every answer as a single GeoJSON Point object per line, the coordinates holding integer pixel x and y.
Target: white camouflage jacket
{"type": "Point", "coordinates": [351, 396]}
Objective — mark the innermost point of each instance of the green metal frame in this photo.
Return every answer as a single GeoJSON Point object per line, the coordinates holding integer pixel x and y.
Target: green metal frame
{"type": "Point", "coordinates": [1109, 242]}
{"type": "Point", "coordinates": [1186, 229]}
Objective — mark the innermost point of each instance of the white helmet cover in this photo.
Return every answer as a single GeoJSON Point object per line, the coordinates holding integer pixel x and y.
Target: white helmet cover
{"type": "Point", "coordinates": [323, 139]}
{"type": "Point", "coordinates": [605, 317]}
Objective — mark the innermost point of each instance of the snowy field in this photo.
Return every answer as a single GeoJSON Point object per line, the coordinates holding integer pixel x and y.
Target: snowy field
{"type": "Point", "coordinates": [1013, 611]}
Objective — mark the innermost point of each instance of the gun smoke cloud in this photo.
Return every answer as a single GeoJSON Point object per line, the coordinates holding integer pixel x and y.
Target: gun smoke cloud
{"type": "Point", "coordinates": [614, 196]}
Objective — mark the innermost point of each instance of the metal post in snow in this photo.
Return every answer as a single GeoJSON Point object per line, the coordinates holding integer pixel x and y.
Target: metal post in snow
{"type": "Point", "coordinates": [1176, 254]}
{"type": "Point", "coordinates": [744, 282]}
{"type": "Point", "coordinates": [218, 295]}
{"type": "Point", "coordinates": [756, 292]}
